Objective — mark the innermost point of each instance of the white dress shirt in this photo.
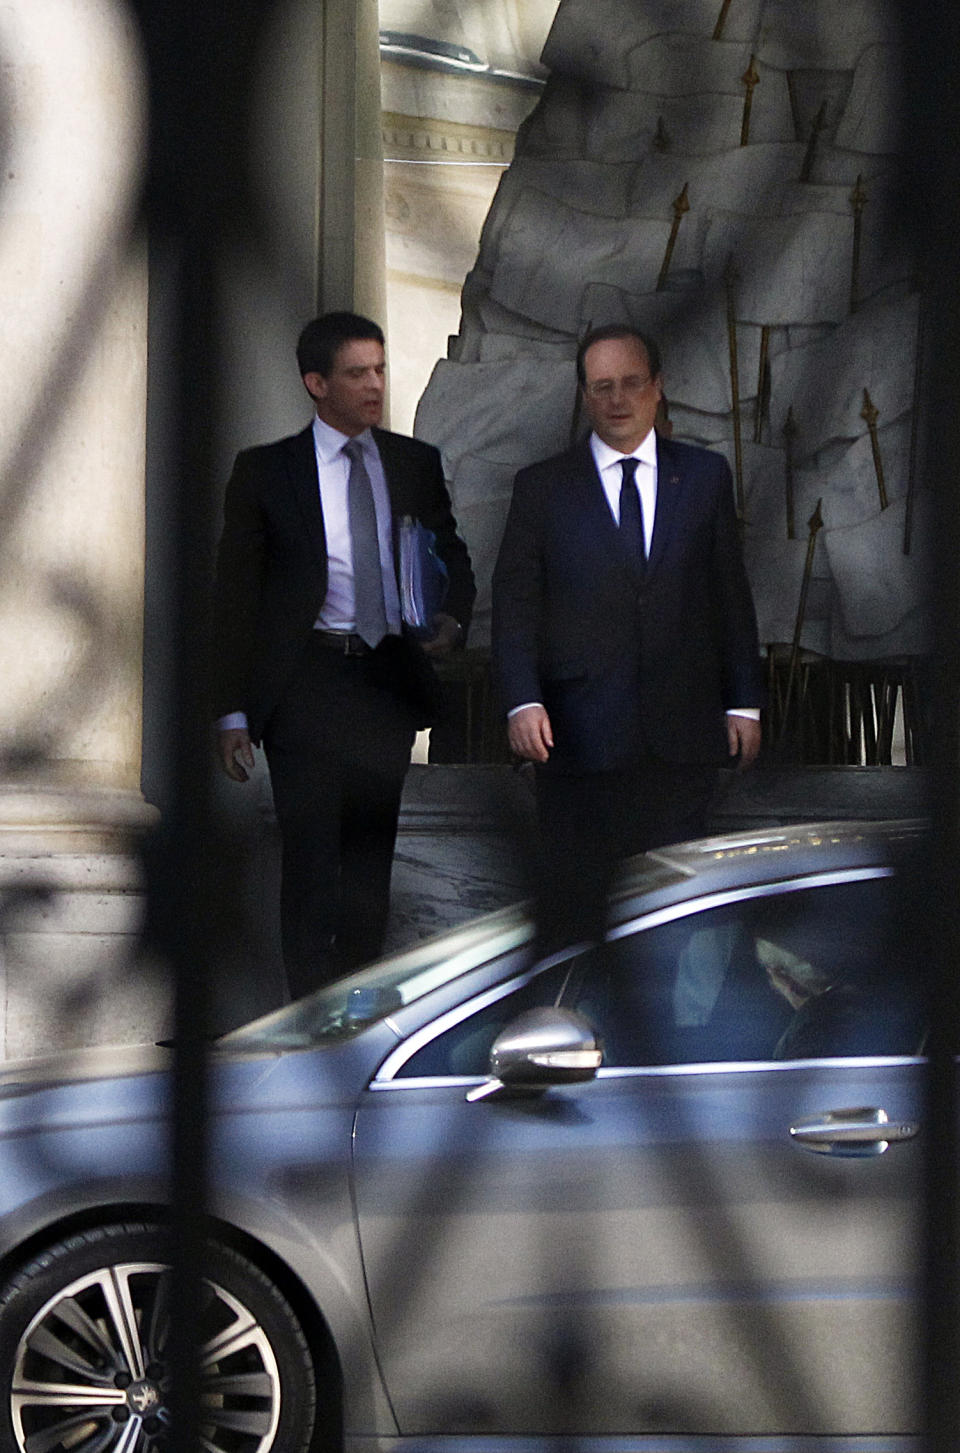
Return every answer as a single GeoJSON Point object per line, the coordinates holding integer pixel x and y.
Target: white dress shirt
{"type": "Point", "coordinates": [333, 472]}
{"type": "Point", "coordinates": [608, 460]}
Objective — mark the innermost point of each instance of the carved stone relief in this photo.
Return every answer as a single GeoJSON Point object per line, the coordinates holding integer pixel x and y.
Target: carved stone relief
{"type": "Point", "coordinates": [725, 176]}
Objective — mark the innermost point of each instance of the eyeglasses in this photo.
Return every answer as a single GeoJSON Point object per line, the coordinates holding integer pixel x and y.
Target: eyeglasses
{"type": "Point", "coordinates": [605, 388]}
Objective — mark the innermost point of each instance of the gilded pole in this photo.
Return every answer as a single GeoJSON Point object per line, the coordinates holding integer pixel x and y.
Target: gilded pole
{"type": "Point", "coordinates": [858, 199]}
{"type": "Point", "coordinates": [806, 171]}
{"type": "Point", "coordinates": [721, 20]}
{"type": "Point", "coordinates": [730, 278]}
{"type": "Point", "coordinates": [681, 205]}
{"type": "Point", "coordinates": [750, 79]}
{"type": "Point", "coordinates": [789, 435]}
{"type": "Point", "coordinates": [763, 384]}
{"type": "Point", "coordinates": [871, 414]}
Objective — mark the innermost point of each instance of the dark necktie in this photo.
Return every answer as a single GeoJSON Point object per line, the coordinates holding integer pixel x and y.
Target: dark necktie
{"type": "Point", "coordinates": [631, 514]}
{"type": "Point", "coordinates": [369, 609]}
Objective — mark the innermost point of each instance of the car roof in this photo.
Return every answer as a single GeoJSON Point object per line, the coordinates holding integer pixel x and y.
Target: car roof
{"type": "Point", "coordinates": [768, 854]}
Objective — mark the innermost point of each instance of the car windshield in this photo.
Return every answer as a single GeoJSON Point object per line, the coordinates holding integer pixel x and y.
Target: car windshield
{"type": "Point", "coordinates": [345, 1007]}
{"type": "Point", "coordinates": [342, 1009]}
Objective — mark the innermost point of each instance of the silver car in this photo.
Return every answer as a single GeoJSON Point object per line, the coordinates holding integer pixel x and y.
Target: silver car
{"type": "Point", "coordinates": [659, 1196]}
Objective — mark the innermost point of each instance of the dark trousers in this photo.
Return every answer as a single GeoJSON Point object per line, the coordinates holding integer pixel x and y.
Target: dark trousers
{"type": "Point", "coordinates": [338, 747]}
{"type": "Point", "coordinates": [589, 822]}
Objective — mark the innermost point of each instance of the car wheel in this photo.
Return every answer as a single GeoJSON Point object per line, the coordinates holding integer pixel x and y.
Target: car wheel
{"type": "Point", "coordinates": [83, 1352]}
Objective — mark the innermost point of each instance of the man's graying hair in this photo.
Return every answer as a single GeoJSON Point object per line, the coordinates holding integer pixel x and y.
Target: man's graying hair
{"type": "Point", "coordinates": [611, 331]}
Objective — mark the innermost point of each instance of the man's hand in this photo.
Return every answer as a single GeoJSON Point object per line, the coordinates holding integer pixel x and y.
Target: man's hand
{"type": "Point", "coordinates": [446, 634]}
{"type": "Point", "coordinates": [530, 734]}
{"type": "Point", "coordinates": [236, 753]}
{"type": "Point", "coordinates": [743, 735]}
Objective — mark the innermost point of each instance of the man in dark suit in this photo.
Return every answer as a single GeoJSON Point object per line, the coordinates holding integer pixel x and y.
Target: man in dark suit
{"type": "Point", "coordinates": [624, 633]}
{"type": "Point", "coordinates": [311, 656]}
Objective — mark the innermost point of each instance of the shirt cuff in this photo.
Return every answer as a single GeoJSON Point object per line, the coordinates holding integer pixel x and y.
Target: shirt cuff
{"type": "Point", "coordinates": [234, 721]}
{"type": "Point", "coordinates": [752, 713]}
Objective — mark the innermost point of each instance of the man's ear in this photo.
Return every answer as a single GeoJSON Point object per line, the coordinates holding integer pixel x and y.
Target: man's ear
{"type": "Point", "coordinates": [662, 422]}
{"type": "Point", "coordinates": [315, 385]}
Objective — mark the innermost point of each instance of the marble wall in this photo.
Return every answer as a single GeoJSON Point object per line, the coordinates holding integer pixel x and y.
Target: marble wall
{"type": "Point", "coordinates": [73, 280]}
{"type": "Point", "coordinates": [725, 176]}
{"type": "Point", "coordinates": [448, 136]}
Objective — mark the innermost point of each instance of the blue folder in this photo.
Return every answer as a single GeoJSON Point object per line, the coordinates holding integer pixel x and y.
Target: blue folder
{"type": "Point", "coordinates": [423, 577]}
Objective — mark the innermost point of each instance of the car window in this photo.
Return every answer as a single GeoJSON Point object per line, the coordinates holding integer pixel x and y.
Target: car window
{"type": "Point", "coordinates": [464, 1049]}
{"type": "Point", "coordinates": [801, 974]}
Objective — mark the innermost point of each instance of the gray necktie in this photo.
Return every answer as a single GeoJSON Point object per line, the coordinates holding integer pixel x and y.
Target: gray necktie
{"type": "Point", "coordinates": [369, 609]}
{"type": "Point", "coordinates": [631, 514]}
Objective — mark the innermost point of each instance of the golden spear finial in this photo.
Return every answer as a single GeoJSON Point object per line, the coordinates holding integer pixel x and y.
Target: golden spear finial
{"type": "Point", "coordinates": [870, 413]}
{"type": "Point", "coordinates": [751, 79]}
{"type": "Point", "coordinates": [681, 205]}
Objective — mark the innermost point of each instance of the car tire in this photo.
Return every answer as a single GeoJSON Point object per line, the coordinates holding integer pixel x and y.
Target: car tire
{"type": "Point", "coordinates": [64, 1342]}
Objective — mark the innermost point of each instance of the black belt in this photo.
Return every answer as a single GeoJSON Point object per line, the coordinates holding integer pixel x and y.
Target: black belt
{"type": "Point", "coordinates": [346, 642]}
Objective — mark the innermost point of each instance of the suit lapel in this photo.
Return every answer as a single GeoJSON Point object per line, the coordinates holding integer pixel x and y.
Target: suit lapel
{"type": "Point", "coordinates": [669, 502]}
{"type": "Point", "coordinates": [590, 501]}
{"type": "Point", "coordinates": [301, 461]}
{"type": "Point", "coordinates": [388, 459]}
{"type": "Point", "coordinates": [392, 475]}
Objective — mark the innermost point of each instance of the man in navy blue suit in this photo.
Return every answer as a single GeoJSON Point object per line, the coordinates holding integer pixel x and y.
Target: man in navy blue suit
{"type": "Point", "coordinates": [624, 633]}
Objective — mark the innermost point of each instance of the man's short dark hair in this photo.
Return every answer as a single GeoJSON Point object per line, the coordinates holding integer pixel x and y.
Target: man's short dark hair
{"type": "Point", "coordinates": [323, 337]}
{"type": "Point", "coordinates": [617, 330]}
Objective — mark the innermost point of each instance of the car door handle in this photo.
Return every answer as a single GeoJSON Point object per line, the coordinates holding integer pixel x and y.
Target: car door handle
{"type": "Point", "coordinates": [863, 1130]}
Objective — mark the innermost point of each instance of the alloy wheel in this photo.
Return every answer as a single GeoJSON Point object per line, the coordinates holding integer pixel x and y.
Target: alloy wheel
{"type": "Point", "coordinates": [91, 1372]}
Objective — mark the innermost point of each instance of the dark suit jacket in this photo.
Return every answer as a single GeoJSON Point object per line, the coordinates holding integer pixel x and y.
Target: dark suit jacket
{"type": "Point", "coordinates": [272, 564]}
{"type": "Point", "coordinates": [624, 661]}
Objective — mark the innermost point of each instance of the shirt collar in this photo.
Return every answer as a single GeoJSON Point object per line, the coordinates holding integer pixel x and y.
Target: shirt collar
{"type": "Point", "coordinates": [328, 441]}
{"type": "Point", "coordinates": [646, 451]}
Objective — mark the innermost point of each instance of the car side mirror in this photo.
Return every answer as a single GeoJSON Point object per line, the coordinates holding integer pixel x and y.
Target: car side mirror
{"type": "Point", "coordinates": [541, 1047]}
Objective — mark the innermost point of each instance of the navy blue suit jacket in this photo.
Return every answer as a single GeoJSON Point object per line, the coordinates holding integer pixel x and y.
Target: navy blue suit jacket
{"type": "Point", "coordinates": [626, 661]}
{"type": "Point", "coordinates": [272, 564]}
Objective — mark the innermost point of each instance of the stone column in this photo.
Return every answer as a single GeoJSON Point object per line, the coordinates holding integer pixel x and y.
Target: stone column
{"type": "Point", "coordinates": [351, 244]}
{"type": "Point", "coordinates": [370, 275]}
{"type": "Point", "coordinates": [72, 425]}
